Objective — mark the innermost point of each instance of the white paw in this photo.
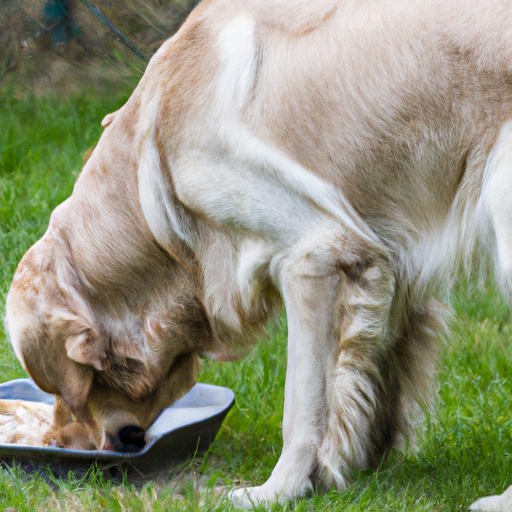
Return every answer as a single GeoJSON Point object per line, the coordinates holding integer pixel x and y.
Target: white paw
{"type": "Point", "coordinates": [499, 503]}
{"type": "Point", "coordinates": [250, 497]}
{"type": "Point", "coordinates": [267, 495]}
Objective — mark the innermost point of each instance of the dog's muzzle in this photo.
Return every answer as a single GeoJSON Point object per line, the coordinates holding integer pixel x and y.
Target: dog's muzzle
{"type": "Point", "coordinates": [130, 438]}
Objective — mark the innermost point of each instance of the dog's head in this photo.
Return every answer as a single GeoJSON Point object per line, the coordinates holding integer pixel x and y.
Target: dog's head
{"type": "Point", "coordinates": [114, 369]}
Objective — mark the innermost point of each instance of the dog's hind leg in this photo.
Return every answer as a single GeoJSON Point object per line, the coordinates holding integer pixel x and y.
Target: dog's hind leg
{"type": "Point", "coordinates": [496, 203]}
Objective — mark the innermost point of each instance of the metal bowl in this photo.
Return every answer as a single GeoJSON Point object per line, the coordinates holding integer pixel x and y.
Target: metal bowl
{"type": "Point", "coordinates": [185, 428]}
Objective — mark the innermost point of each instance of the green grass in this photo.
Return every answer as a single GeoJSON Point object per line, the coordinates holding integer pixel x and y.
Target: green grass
{"type": "Point", "coordinates": [467, 445]}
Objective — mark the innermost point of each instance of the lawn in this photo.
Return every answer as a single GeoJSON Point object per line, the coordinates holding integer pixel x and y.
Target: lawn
{"type": "Point", "coordinates": [465, 452]}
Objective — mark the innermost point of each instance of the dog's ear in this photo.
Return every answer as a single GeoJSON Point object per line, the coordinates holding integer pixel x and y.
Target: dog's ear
{"type": "Point", "coordinates": [61, 361]}
{"type": "Point", "coordinates": [57, 374]}
{"type": "Point", "coordinates": [82, 344]}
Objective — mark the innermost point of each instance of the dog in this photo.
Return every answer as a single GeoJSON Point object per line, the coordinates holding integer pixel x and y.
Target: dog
{"type": "Point", "coordinates": [343, 159]}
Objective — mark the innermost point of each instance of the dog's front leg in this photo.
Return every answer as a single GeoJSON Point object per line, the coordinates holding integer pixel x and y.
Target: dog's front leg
{"type": "Point", "coordinates": [309, 305]}
{"type": "Point", "coordinates": [312, 278]}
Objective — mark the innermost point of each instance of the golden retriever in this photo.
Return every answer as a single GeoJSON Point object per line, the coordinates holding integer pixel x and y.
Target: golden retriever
{"type": "Point", "coordinates": [340, 158]}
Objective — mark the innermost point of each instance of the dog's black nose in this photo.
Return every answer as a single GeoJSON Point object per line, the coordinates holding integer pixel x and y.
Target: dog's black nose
{"type": "Point", "coordinates": [132, 438]}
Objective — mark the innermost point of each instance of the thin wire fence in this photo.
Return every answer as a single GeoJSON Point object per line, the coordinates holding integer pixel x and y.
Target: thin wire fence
{"type": "Point", "coordinates": [64, 45]}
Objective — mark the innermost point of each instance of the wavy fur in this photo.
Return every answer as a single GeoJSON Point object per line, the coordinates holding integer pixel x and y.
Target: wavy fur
{"type": "Point", "coordinates": [345, 158]}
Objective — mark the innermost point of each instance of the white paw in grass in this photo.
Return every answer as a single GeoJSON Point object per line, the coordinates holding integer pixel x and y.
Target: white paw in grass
{"type": "Point", "coordinates": [499, 503]}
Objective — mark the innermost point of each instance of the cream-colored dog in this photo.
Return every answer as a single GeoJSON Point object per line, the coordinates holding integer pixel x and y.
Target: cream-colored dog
{"type": "Point", "coordinates": [342, 158]}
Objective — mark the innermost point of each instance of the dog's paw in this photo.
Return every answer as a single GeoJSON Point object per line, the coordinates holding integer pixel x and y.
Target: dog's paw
{"type": "Point", "coordinates": [250, 497]}
{"type": "Point", "coordinates": [268, 494]}
{"type": "Point", "coordinates": [264, 495]}
{"type": "Point", "coordinates": [499, 503]}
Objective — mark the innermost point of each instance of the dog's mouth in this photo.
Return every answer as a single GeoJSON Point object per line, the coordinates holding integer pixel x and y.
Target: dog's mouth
{"type": "Point", "coordinates": [130, 438]}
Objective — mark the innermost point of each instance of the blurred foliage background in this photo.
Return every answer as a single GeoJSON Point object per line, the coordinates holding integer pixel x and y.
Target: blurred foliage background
{"type": "Point", "coordinates": [64, 46]}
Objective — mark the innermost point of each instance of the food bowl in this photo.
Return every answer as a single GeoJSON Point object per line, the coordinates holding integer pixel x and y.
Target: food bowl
{"type": "Point", "coordinates": [187, 427]}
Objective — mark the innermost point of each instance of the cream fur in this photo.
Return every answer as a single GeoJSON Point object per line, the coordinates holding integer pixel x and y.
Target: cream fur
{"type": "Point", "coordinates": [499, 503]}
{"type": "Point", "coordinates": [345, 158]}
